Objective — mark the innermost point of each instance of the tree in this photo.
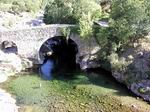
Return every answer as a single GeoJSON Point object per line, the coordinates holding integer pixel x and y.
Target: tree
{"type": "Point", "coordinates": [59, 11]}
{"type": "Point", "coordinates": [129, 19]}
{"type": "Point", "coordinates": [80, 12]}
{"type": "Point", "coordinates": [70, 11]}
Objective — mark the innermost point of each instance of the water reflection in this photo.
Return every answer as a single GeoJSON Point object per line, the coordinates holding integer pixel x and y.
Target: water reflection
{"type": "Point", "coordinates": [46, 69]}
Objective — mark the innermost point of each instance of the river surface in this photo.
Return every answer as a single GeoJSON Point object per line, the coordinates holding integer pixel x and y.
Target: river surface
{"type": "Point", "coordinates": [92, 92]}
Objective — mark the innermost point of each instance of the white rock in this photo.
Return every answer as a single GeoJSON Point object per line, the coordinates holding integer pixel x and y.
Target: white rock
{"type": "Point", "coordinates": [3, 77]}
{"type": "Point", "coordinates": [11, 59]}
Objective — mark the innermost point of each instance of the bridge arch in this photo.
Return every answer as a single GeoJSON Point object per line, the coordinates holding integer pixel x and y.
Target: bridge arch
{"type": "Point", "coordinates": [63, 51]}
{"type": "Point", "coordinates": [54, 43]}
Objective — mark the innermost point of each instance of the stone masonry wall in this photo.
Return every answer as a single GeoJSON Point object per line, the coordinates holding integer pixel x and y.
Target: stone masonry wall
{"type": "Point", "coordinates": [30, 40]}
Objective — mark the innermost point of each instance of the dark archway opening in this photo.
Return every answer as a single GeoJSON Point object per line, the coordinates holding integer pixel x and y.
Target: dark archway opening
{"type": "Point", "coordinates": [9, 47]}
{"type": "Point", "coordinates": [60, 54]}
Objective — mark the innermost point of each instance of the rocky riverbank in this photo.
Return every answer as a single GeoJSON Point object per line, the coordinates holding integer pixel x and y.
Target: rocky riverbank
{"type": "Point", "coordinates": [10, 64]}
{"type": "Point", "coordinates": [135, 71]}
{"type": "Point", "coordinates": [7, 103]}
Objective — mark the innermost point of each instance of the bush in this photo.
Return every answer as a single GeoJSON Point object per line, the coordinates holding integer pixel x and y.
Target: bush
{"type": "Point", "coordinates": [59, 11]}
{"type": "Point", "coordinates": [33, 5]}
{"type": "Point", "coordinates": [69, 11]}
{"type": "Point", "coordinates": [5, 7]}
{"type": "Point", "coordinates": [81, 12]}
{"type": "Point", "coordinates": [129, 20]}
{"type": "Point", "coordinates": [86, 13]}
{"type": "Point", "coordinates": [18, 6]}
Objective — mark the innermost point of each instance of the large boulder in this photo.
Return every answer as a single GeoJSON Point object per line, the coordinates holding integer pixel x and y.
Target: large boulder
{"type": "Point", "coordinates": [11, 64]}
{"type": "Point", "coordinates": [132, 67]}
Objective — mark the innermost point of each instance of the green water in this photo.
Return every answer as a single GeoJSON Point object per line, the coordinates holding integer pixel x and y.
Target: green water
{"type": "Point", "coordinates": [80, 93]}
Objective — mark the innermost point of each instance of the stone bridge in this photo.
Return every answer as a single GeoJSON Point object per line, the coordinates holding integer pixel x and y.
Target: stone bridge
{"type": "Point", "coordinates": [30, 40]}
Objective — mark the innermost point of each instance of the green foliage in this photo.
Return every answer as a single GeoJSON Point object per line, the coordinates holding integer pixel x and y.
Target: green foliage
{"type": "Point", "coordinates": [59, 11]}
{"type": "Point", "coordinates": [81, 12]}
{"type": "Point", "coordinates": [85, 25]}
{"type": "Point", "coordinates": [18, 6]}
{"type": "Point", "coordinates": [84, 7]}
{"type": "Point", "coordinates": [87, 12]}
{"type": "Point", "coordinates": [129, 19]}
{"type": "Point", "coordinates": [66, 32]}
{"type": "Point", "coordinates": [117, 63]}
{"type": "Point", "coordinates": [5, 7]}
{"type": "Point", "coordinates": [33, 5]}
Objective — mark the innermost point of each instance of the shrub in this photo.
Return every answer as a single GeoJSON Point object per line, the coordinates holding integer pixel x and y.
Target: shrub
{"type": "Point", "coordinates": [69, 11]}
{"type": "Point", "coordinates": [18, 6]}
{"type": "Point", "coordinates": [33, 5]}
{"type": "Point", "coordinates": [117, 63]}
{"type": "Point", "coordinates": [84, 7]}
{"type": "Point", "coordinates": [129, 20]}
{"type": "Point", "coordinates": [81, 12]}
{"type": "Point", "coordinates": [87, 12]}
{"type": "Point", "coordinates": [59, 11]}
{"type": "Point", "coordinates": [5, 7]}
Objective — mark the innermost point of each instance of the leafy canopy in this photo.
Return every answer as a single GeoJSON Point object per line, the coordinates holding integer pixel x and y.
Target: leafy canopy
{"type": "Point", "coordinates": [129, 19]}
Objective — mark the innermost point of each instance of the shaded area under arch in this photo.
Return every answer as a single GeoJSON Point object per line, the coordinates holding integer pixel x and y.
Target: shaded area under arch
{"type": "Point", "coordinates": [61, 52]}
